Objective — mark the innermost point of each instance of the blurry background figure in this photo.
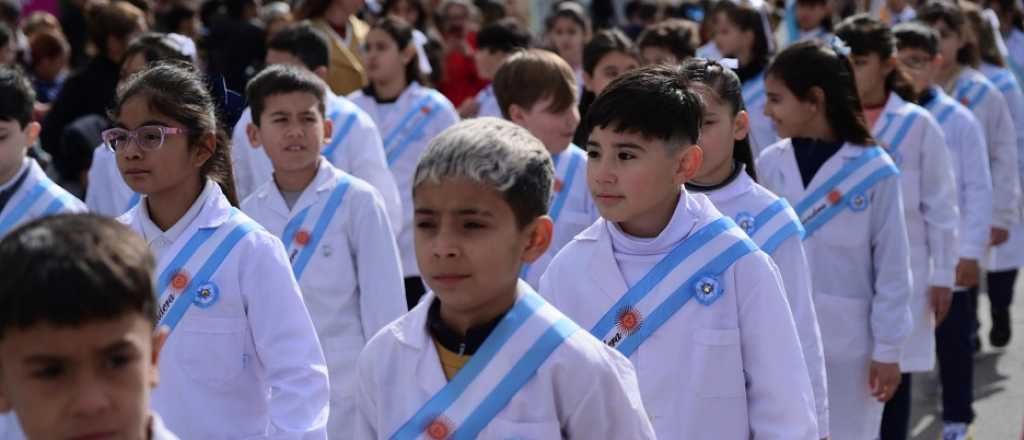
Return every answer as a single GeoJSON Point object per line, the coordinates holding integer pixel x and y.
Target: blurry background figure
{"type": "Point", "coordinates": [567, 30]}
{"type": "Point", "coordinates": [346, 33]}
{"type": "Point", "coordinates": [424, 34]}
{"type": "Point", "coordinates": [8, 49]}
{"type": "Point", "coordinates": [50, 54]}
{"type": "Point", "coordinates": [609, 54]}
{"type": "Point", "coordinates": [180, 17]}
{"type": "Point", "coordinates": [235, 46]}
{"type": "Point", "coordinates": [669, 42]}
{"type": "Point", "coordinates": [460, 21]}
{"type": "Point", "coordinates": [495, 43]}
{"type": "Point", "coordinates": [276, 16]}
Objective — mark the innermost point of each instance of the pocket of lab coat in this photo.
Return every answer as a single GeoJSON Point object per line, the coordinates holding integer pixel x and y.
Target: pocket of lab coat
{"type": "Point", "coordinates": [503, 429]}
{"type": "Point", "coordinates": [848, 229]}
{"type": "Point", "coordinates": [716, 367]}
{"type": "Point", "coordinates": [845, 325]}
{"type": "Point", "coordinates": [211, 351]}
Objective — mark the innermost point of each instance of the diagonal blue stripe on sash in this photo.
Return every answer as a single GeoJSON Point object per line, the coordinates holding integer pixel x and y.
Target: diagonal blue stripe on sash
{"type": "Point", "coordinates": [826, 215]}
{"type": "Point", "coordinates": [288, 236]}
{"type": "Point", "coordinates": [978, 95]}
{"type": "Point", "coordinates": [780, 236]}
{"type": "Point", "coordinates": [848, 169]}
{"type": "Point", "coordinates": [395, 153]}
{"type": "Point", "coordinates": [19, 210]}
{"type": "Point", "coordinates": [440, 402]}
{"type": "Point", "coordinates": [186, 252]}
{"type": "Point", "coordinates": [889, 118]}
{"type": "Point", "coordinates": [901, 133]}
{"type": "Point", "coordinates": [331, 208]}
{"type": "Point", "coordinates": [767, 214]}
{"type": "Point", "coordinates": [56, 206]}
{"type": "Point", "coordinates": [390, 138]}
{"type": "Point", "coordinates": [944, 113]}
{"type": "Point", "coordinates": [339, 136]}
{"type": "Point", "coordinates": [643, 287]}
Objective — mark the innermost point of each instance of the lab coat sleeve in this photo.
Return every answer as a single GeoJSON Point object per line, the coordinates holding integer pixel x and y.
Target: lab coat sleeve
{"type": "Point", "coordinates": [366, 403]}
{"type": "Point", "coordinates": [1001, 136]}
{"type": "Point", "coordinates": [890, 253]}
{"type": "Point", "coordinates": [938, 205]}
{"type": "Point", "coordinates": [796, 277]}
{"type": "Point", "coordinates": [241, 149]}
{"type": "Point", "coordinates": [1015, 103]}
{"type": "Point", "coordinates": [99, 190]}
{"type": "Point", "coordinates": [378, 267]}
{"type": "Point", "coordinates": [976, 186]}
{"type": "Point", "coordinates": [285, 341]}
{"type": "Point", "coordinates": [368, 162]}
{"type": "Point", "coordinates": [780, 402]}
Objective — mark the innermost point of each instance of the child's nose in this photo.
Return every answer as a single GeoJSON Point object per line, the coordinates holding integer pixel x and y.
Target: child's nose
{"type": "Point", "coordinates": [92, 399]}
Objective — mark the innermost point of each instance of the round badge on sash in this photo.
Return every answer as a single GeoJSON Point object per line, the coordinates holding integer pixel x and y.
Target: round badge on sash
{"type": "Point", "coordinates": [745, 221]}
{"type": "Point", "coordinates": [302, 237]}
{"type": "Point", "coordinates": [858, 202]}
{"type": "Point", "coordinates": [180, 280]}
{"type": "Point", "coordinates": [207, 295]}
{"type": "Point", "coordinates": [629, 320]}
{"type": "Point", "coordinates": [439, 429]}
{"type": "Point", "coordinates": [707, 290]}
{"type": "Point", "coordinates": [834, 197]}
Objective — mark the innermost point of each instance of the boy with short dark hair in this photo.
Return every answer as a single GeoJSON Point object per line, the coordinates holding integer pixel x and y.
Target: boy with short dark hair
{"type": "Point", "coordinates": [78, 347]}
{"type": "Point", "coordinates": [672, 283]}
{"type": "Point", "coordinates": [489, 357]}
{"type": "Point", "coordinates": [536, 89]}
{"type": "Point", "coordinates": [333, 225]}
{"type": "Point", "coordinates": [669, 42]}
{"type": "Point", "coordinates": [495, 43]}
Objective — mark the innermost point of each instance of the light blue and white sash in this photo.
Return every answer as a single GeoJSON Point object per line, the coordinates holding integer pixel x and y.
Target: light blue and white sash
{"type": "Point", "coordinates": [185, 278]}
{"type": "Point", "coordinates": [941, 109]}
{"type": "Point", "coordinates": [568, 175]}
{"type": "Point", "coordinates": [891, 139]}
{"type": "Point", "coordinates": [42, 199]}
{"type": "Point", "coordinates": [409, 128]}
{"type": "Point", "coordinates": [507, 360]}
{"type": "Point", "coordinates": [341, 130]}
{"type": "Point", "coordinates": [303, 232]}
{"type": "Point", "coordinates": [1004, 80]}
{"type": "Point", "coordinates": [692, 269]}
{"type": "Point", "coordinates": [753, 92]}
{"type": "Point", "coordinates": [134, 200]}
{"type": "Point", "coordinates": [970, 93]}
{"type": "Point", "coordinates": [772, 226]}
{"type": "Point", "coordinates": [846, 188]}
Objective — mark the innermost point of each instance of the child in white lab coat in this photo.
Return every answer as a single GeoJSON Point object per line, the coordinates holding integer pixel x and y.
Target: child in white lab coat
{"type": "Point", "coordinates": [355, 146]}
{"type": "Point", "coordinates": [242, 358]}
{"type": "Point", "coordinates": [672, 283]}
{"type": "Point", "coordinates": [727, 177]}
{"type": "Point", "coordinates": [536, 90]}
{"type": "Point", "coordinates": [408, 115]}
{"type": "Point", "coordinates": [919, 54]}
{"type": "Point", "coordinates": [334, 227]}
{"type": "Point", "coordinates": [494, 44]}
{"type": "Point", "coordinates": [491, 358]}
{"type": "Point", "coordinates": [917, 144]}
{"type": "Point", "coordinates": [82, 368]}
{"type": "Point", "coordinates": [847, 193]}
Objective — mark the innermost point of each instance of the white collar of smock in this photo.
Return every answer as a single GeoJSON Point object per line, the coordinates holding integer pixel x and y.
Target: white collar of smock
{"type": "Point", "coordinates": [151, 232]}
{"type": "Point", "coordinates": [678, 228]}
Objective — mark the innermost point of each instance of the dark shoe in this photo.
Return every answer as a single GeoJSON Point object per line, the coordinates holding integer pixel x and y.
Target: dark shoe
{"type": "Point", "coordinates": [999, 336]}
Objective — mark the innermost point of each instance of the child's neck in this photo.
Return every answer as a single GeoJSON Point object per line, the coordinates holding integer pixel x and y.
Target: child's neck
{"type": "Point", "coordinates": [166, 208]}
{"type": "Point", "coordinates": [6, 176]}
{"type": "Point", "coordinates": [819, 129]}
{"type": "Point", "coordinates": [460, 321]}
{"type": "Point", "coordinates": [649, 224]}
{"type": "Point", "coordinates": [874, 98]}
{"type": "Point", "coordinates": [388, 89]}
{"type": "Point", "coordinates": [716, 176]}
{"type": "Point", "coordinates": [744, 58]}
{"type": "Point", "coordinates": [948, 73]}
{"type": "Point", "coordinates": [296, 181]}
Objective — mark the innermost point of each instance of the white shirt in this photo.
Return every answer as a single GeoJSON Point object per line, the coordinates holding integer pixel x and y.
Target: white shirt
{"type": "Point", "coordinates": [488, 103]}
{"type": "Point", "coordinates": [37, 196]}
{"type": "Point", "coordinates": [762, 131]}
{"type": "Point", "coordinates": [107, 193]}
{"type": "Point", "coordinates": [352, 284]}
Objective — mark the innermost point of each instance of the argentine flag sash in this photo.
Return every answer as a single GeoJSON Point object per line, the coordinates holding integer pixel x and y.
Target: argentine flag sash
{"type": "Point", "coordinates": [692, 269]}
{"type": "Point", "coordinates": [409, 127]}
{"type": "Point", "coordinates": [43, 198]}
{"type": "Point", "coordinates": [564, 176]}
{"type": "Point", "coordinates": [341, 130]}
{"type": "Point", "coordinates": [303, 232]}
{"type": "Point", "coordinates": [846, 188]}
{"type": "Point", "coordinates": [185, 278]}
{"type": "Point", "coordinates": [507, 360]}
{"type": "Point", "coordinates": [772, 226]}
{"type": "Point", "coordinates": [941, 107]}
{"type": "Point", "coordinates": [969, 92]}
{"type": "Point", "coordinates": [891, 138]}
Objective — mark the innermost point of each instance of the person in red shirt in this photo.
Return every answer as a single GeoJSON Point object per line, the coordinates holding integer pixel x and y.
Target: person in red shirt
{"type": "Point", "coordinates": [460, 79]}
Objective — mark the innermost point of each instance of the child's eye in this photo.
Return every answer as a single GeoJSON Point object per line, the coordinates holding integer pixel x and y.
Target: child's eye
{"type": "Point", "coordinates": [425, 225]}
{"type": "Point", "coordinates": [593, 154]}
{"type": "Point", "coordinates": [116, 361]}
{"type": "Point", "coordinates": [50, 371]}
{"type": "Point", "coordinates": [626, 156]}
{"type": "Point", "coordinates": [473, 225]}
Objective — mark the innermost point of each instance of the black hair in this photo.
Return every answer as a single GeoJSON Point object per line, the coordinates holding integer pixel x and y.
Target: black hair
{"type": "Point", "coordinates": [5, 35]}
{"type": "Point", "coordinates": [605, 42]}
{"type": "Point", "coordinates": [985, 36]}
{"type": "Point", "coordinates": [17, 97]}
{"type": "Point", "coordinates": [118, 19]}
{"type": "Point", "coordinates": [71, 269]}
{"type": "Point", "coordinates": [953, 17]}
{"type": "Point", "coordinates": [654, 101]}
{"type": "Point", "coordinates": [747, 18]}
{"type": "Point", "coordinates": [570, 10]}
{"type": "Point", "coordinates": [727, 88]}
{"type": "Point", "coordinates": [171, 20]}
{"type": "Point", "coordinates": [866, 35]}
{"type": "Point", "coordinates": [807, 65]}
{"type": "Point", "coordinates": [677, 35]}
{"type": "Point", "coordinates": [304, 42]}
{"type": "Point", "coordinates": [401, 33]}
{"type": "Point", "coordinates": [1010, 7]}
{"type": "Point", "coordinates": [421, 9]}
{"type": "Point", "coordinates": [178, 91]}
{"type": "Point", "coordinates": [913, 35]}
{"type": "Point", "coordinates": [10, 12]}
{"type": "Point", "coordinates": [505, 35]}
{"type": "Point", "coordinates": [281, 79]}
{"type": "Point", "coordinates": [155, 47]}
{"type": "Point", "coordinates": [827, 21]}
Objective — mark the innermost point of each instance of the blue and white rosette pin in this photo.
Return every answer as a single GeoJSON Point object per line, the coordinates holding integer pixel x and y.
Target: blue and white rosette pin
{"type": "Point", "coordinates": [745, 221]}
{"type": "Point", "coordinates": [206, 295]}
{"type": "Point", "coordinates": [858, 202]}
{"type": "Point", "coordinates": [707, 290]}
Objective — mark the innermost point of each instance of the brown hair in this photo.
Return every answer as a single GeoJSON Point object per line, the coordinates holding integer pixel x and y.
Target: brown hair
{"type": "Point", "coordinates": [118, 19]}
{"type": "Point", "coordinates": [984, 35]}
{"type": "Point", "coordinates": [532, 75]}
{"type": "Point", "coordinates": [47, 44]}
{"type": "Point", "coordinates": [39, 21]}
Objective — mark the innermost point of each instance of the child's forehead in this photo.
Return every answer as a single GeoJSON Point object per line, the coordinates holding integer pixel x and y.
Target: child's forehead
{"type": "Point", "coordinates": [457, 194]}
{"type": "Point", "coordinates": [83, 339]}
{"type": "Point", "coordinates": [612, 135]}
{"type": "Point", "coordinates": [291, 100]}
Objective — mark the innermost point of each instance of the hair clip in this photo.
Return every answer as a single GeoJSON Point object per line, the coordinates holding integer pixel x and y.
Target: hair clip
{"type": "Point", "coordinates": [729, 63]}
{"type": "Point", "coordinates": [840, 46]}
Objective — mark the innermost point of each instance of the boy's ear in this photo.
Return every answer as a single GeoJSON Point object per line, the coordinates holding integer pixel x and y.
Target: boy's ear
{"type": "Point", "coordinates": [740, 125]}
{"type": "Point", "coordinates": [159, 338]}
{"type": "Point", "coordinates": [253, 132]}
{"type": "Point", "coordinates": [689, 163]}
{"type": "Point", "coordinates": [408, 53]}
{"type": "Point", "coordinates": [321, 72]}
{"type": "Point", "coordinates": [540, 231]}
{"type": "Point", "coordinates": [328, 129]}
{"type": "Point", "coordinates": [516, 114]}
{"type": "Point", "coordinates": [32, 132]}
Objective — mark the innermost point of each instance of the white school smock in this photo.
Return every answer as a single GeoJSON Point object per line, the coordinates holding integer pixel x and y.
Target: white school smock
{"type": "Point", "coordinates": [1015, 53]}
{"type": "Point", "coordinates": [488, 103]}
{"type": "Point", "coordinates": [917, 144]}
{"type": "Point", "coordinates": [709, 51]}
{"type": "Point", "coordinates": [575, 213]}
{"type": "Point", "coordinates": [355, 148]}
{"type": "Point", "coordinates": [742, 197]}
{"type": "Point", "coordinates": [728, 370]}
{"type": "Point", "coordinates": [419, 114]}
{"type": "Point", "coordinates": [36, 196]}
{"type": "Point", "coordinates": [584, 390]}
{"type": "Point", "coordinates": [247, 365]}
{"type": "Point", "coordinates": [107, 194]}
{"type": "Point", "coordinates": [352, 283]}
{"type": "Point", "coordinates": [1010, 255]}
{"type": "Point", "coordinates": [978, 94]}
{"type": "Point", "coordinates": [966, 143]}
{"type": "Point", "coordinates": [860, 276]}
{"type": "Point", "coordinates": [762, 131]}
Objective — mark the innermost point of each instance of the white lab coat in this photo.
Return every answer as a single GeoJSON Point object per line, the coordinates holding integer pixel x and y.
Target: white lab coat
{"type": "Point", "coordinates": [743, 195]}
{"type": "Point", "coordinates": [488, 103]}
{"type": "Point", "coordinates": [107, 194]}
{"type": "Point", "coordinates": [584, 390]}
{"type": "Point", "coordinates": [36, 196]}
{"type": "Point", "coordinates": [577, 214]}
{"type": "Point", "coordinates": [1010, 255]}
{"type": "Point", "coordinates": [439, 114]}
{"type": "Point", "coordinates": [1015, 57]}
{"type": "Point", "coordinates": [762, 131]}
{"type": "Point", "coordinates": [359, 153]}
{"type": "Point", "coordinates": [966, 143]}
{"type": "Point", "coordinates": [248, 365]}
{"type": "Point", "coordinates": [352, 284]}
{"type": "Point", "coordinates": [730, 370]}
{"type": "Point", "coordinates": [930, 210]}
{"type": "Point", "coordinates": [860, 273]}
{"type": "Point", "coordinates": [709, 51]}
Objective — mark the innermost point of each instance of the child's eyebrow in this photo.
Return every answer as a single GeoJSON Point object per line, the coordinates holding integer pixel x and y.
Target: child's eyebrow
{"type": "Point", "coordinates": [42, 359]}
{"type": "Point", "coordinates": [629, 146]}
{"type": "Point", "coordinates": [118, 346]}
{"type": "Point", "coordinates": [474, 211]}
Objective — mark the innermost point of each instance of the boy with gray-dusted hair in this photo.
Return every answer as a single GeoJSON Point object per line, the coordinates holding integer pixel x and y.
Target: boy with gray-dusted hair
{"type": "Point", "coordinates": [491, 358]}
